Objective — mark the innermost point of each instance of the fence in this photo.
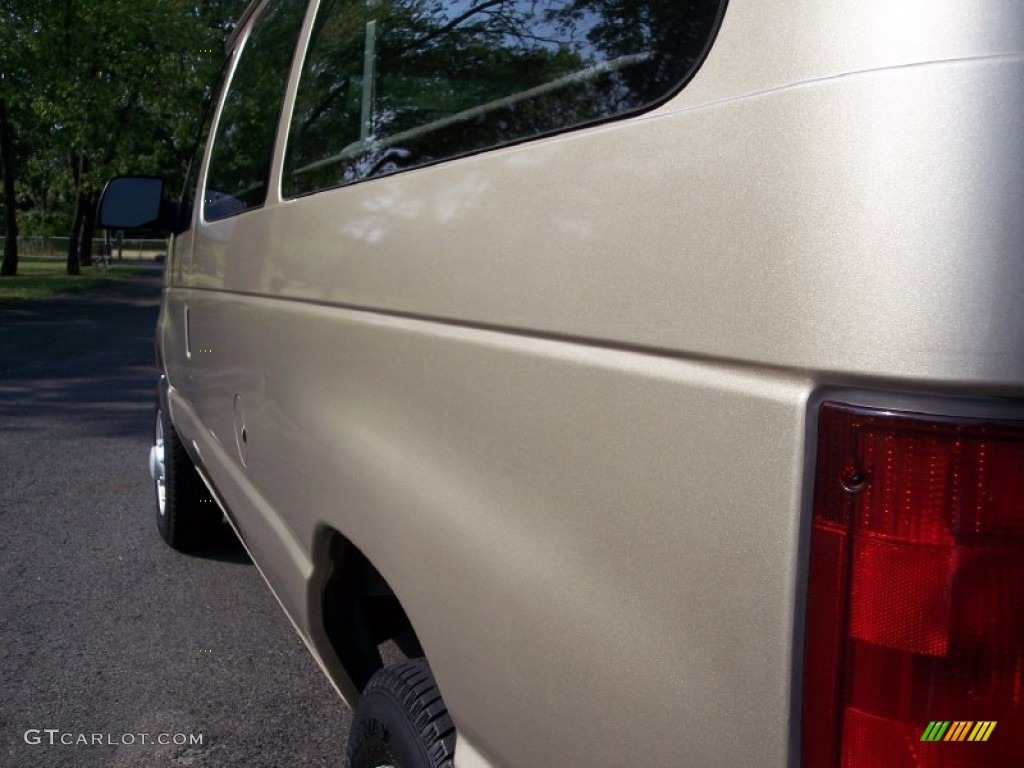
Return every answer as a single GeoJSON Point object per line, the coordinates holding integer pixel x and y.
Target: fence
{"type": "Point", "coordinates": [57, 248]}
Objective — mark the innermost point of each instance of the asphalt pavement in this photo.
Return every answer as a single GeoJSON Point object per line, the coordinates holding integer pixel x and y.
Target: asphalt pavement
{"type": "Point", "coordinates": [114, 649]}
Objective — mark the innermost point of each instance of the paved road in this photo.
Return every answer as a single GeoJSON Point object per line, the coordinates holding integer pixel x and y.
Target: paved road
{"type": "Point", "coordinates": [103, 629]}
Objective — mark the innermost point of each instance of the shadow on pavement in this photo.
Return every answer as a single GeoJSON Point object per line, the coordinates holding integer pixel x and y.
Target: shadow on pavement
{"type": "Point", "coordinates": [85, 358]}
{"type": "Point", "coordinates": [225, 547]}
{"type": "Point", "coordinates": [83, 365]}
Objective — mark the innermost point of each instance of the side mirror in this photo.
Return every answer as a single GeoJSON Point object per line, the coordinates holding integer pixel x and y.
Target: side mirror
{"type": "Point", "coordinates": [136, 202]}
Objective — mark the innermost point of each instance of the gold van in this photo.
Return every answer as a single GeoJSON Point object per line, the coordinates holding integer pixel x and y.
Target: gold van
{"type": "Point", "coordinates": [644, 378]}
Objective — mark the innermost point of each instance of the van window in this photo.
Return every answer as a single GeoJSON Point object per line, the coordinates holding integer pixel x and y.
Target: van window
{"type": "Point", "coordinates": [244, 142]}
{"type": "Point", "coordinates": [394, 84]}
{"type": "Point", "coordinates": [188, 192]}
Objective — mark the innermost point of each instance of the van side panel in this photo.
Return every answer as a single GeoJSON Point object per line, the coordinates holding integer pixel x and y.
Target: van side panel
{"type": "Point", "coordinates": [557, 393]}
{"type": "Point", "coordinates": [591, 532]}
{"type": "Point", "coordinates": [836, 226]}
{"type": "Point", "coordinates": [569, 429]}
{"type": "Point", "coordinates": [765, 45]}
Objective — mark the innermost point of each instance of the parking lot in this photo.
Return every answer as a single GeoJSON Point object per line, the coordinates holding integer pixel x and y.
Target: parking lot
{"type": "Point", "coordinates": [118, 651]}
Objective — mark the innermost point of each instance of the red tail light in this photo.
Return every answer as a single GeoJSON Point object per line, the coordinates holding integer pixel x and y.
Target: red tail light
{"type": "Point", "coordinates": [916, 591]}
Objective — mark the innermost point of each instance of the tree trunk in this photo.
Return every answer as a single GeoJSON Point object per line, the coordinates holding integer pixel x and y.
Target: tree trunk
{"type": "Point", "coordinates": [76, 233]}
{"type": "Point", "coordinates": [74, 241]}
{"type": "Point", "coordinates": [88, 230]}
{"type": "Point", "coordinates": [10, 262]}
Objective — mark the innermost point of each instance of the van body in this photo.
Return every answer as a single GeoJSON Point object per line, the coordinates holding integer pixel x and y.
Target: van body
{"type": "Point", "coordinates": [655, 431]}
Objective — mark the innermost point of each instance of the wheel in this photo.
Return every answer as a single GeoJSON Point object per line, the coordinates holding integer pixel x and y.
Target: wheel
{"type": "Point", "coordinates": [401, 721]}
{"type": "Point", "coordinates": [186, 515]}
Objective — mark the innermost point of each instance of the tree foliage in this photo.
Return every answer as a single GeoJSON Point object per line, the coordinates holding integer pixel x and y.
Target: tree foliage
{"type": "Point", "coordinates": [93, 88]}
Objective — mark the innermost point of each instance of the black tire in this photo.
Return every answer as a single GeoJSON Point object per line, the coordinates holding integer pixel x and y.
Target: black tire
{"type": "Point", "coordinates": [401, 721]}
{"type": "Point", "coordinates": [188, 517]}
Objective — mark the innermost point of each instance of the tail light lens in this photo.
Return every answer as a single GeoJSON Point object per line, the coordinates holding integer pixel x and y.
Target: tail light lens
{"type": "Point", "coordinates": [916, 591]}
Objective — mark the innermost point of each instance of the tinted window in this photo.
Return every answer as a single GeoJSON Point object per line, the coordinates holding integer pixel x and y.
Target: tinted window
{"type": "Point", "coordinates": [244, 141]}
{"type": "Point", "coordinates": [393, 84]}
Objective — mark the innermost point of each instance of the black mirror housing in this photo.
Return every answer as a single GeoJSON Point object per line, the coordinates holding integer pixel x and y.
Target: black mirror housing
{"type": "Point", "coordinates": [136, 202]}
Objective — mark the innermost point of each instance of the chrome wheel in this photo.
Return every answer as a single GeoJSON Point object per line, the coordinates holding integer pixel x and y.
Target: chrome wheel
{"type": "Point", "coordinates": [186, 516]}
{"type": "Point", "coordinates": [157, 468]}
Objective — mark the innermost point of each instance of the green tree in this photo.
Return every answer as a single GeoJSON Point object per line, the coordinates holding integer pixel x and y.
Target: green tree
{"type": "Point", "coordinates": [17, 25]}
{"type": "Point", "coordinates": [7, 169]}
{"type": "Point", "coordinates": [103, 87]}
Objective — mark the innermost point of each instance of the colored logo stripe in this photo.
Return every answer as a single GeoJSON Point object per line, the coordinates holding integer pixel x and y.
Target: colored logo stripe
{"type": "Point", "coordinates": [982, 730]}
{"type": "Point", "coordinates": [958, 730]}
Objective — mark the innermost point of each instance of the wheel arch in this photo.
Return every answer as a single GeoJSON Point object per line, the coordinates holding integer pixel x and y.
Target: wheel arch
{"type": "Point", "coordinates": [359, 622]}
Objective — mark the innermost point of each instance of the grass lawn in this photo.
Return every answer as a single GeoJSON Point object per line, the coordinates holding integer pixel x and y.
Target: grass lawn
{"type": "Point", "coordinates": [37, 279]}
